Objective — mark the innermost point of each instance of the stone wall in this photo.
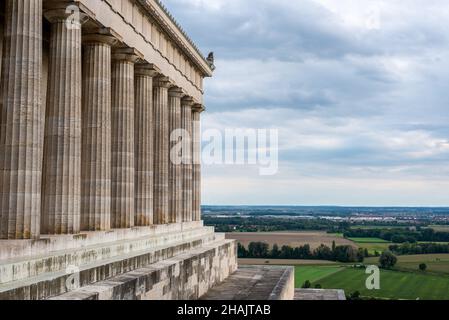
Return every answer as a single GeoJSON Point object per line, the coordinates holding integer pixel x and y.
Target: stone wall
{"type": "Point", "coordinates": [184, 277]}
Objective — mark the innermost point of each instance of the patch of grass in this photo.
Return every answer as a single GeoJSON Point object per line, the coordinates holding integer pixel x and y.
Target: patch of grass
{"type": "Point", "coordinates": [436, 263]}
{"type": "Point", "coordinates": [371, 244]}
{"type": "Point", "coordinates": [394, 284]}
{"type": "Point", "coordinates": [441, 228]}
{"type": "Point", "coordinates": [368, 240]}
{"type": "Point", "coordinates": [363, 227]}
{"type": "Point", "coordinates": [313, 273]}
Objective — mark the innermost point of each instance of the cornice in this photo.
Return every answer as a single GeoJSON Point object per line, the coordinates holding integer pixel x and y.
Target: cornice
{"type": "Point", "coordinates": [158, 12]}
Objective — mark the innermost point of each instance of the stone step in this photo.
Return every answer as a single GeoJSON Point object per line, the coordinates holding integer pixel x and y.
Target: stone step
{"type": "Point", "coordinates": [319, 294]}
{"type": "Point", "coordinates": [256, 283]}
{"type": "Point", "coordinates": [25, 267]}
{"type": "Point", "coordinates": [184, 277]}
{"type": "Point", "coordinates": [53, 282]}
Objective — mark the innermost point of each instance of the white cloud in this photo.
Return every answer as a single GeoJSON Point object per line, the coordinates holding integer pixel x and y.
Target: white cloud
{"type": "Point", "coordinates": [357, 88]}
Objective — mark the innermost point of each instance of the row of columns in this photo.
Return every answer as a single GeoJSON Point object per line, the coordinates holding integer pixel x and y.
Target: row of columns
{"type": "Point", "coordinates": [97, 156]}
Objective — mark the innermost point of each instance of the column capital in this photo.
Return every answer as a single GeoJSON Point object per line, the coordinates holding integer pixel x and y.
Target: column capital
{"type": "Point", "coordinates": [57, 10]}
{"type": "Point", "coordinates": [163, 82]}
{"type": "Point", "coordinates": [147, 69]}
{"type": "Point", "coordinates": [176, 92]}
{"type": "Point", "coordinates": [102, 35]}
{"type": "Point", "coordinates": [187, 102]}
{"type": "Point", "coordinates": [198, 107]}
{"type": "Point", "coordinates": [126, 54]}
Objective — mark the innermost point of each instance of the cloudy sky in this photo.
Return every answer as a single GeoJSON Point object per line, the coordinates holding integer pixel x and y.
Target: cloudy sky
{"type": "Point", "coordinates": [358, 89]}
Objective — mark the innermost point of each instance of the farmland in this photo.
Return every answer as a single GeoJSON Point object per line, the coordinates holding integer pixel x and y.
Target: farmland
{"type": "Point", "coordinates": [293, 239]}
{"type": "Point", "coordinates": [285, 262]}
{"type": "Point", "coordinates": [372, 244]}
{"type": "Point", "coordinates": [314, 274]}
{"type": "Point", "coordinates": [436, 263]}
{"type": "Point", "coordinates": [394, 284]}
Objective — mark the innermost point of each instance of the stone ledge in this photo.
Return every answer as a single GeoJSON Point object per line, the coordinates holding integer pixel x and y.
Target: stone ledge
{"type": "Point", "coordinates": [319, 294]}
{"type": "Point", "coordinates": [54, 261]}
{"type": "Point", "coordinates": [54, 283]}
{"type": "Point", "coordinates": [256, 283]}
{"type": "Point", "coordinates": [19, 249]}
{"type": "Point", "coordinates": [184, 277]}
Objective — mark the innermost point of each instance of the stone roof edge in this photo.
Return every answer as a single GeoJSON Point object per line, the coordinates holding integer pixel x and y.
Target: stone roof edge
{"type": "Point", "coordinates": [197, 56]}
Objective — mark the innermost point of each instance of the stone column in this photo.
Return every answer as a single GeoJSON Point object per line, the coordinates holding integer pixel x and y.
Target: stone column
{"type": "Point", "coordinates": [174, 162]}
{"type": "Point", "coordinates": [143, 144]}
{"type": "Point", "coordinates": [123, 171]}
{"type": "Point", "coordinates": [96, 133]}
{"type": "Point", "coordinates": [61, 188]}
{"type": "Point", "coordinates": [161, 150]}
{"type": "Point", "coordinates": [196, 189]}
{"type": "Point", "coordinates": [2, 31]}
{"type": "Point", "coordinates": [22, 121]}
{"type": "Point", "coordinates": [187, 173]}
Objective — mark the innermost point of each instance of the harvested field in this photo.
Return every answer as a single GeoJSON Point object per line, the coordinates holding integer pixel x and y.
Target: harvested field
{"type": "Point", "coordinates": [293, 239]}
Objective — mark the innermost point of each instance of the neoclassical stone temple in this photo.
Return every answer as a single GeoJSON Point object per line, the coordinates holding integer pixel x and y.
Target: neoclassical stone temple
{"type": "Point", "coordinates": [92, 204]}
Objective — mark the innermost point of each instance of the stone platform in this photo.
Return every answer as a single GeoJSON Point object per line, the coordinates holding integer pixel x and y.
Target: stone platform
{"type": "Point", "coordinates": [256, 283]}
{"type": "Point", "coordinates": [319, 294]}
{"type": "Point", "coordinates": [179, 261]}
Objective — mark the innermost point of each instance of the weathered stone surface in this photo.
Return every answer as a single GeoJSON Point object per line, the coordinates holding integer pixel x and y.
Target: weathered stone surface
{"type": "Point", "coordinates": [61, 192]}
{"type": "Point", "coordinates": [97, 263]}
{"type": "Point", "coordinates": [183, 277]}
{"type": "Point", "coordinates": [187, 165]}
{"type": "Point", "coordinates": [161, 150]}
{"type": "Point", "coordinates": [22, 121]}
{"type": "Point", "coordinates": [122, 142]}
{"type": "Point", "coordinates": [96, 134]}
{"type": "Point", "coordinates": [106, 156]}
{"type": "Point", "coordinates": [256, 283]}
{"type": "Point", "coordinates": [143, 144]}
{"type": "Point", "coordinates": [196, 183]}
{"type": "Point", "coordinates": [319, 294]}
{"type": "Point", "coordinates": [174, 160]}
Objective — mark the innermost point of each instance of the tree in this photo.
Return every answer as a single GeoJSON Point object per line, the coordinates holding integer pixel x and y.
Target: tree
{"type": "Point", "coordinates": [275, 252]}
{"type": "Point", "coordinates": [387, 260]}
{"type": "Point", "coordinates": [318, 286]}
{"type": "Point", "coordinates": [307, 285]}
{"type": "Point", "coordinates": [423, 267]}
{"type": "Point", "coordinates": [241, 251]}
{"type": "Point", "coordinates": [258, 250]}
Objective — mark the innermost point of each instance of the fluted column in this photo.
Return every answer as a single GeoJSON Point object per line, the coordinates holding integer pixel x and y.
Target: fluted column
{"type": "Point", "coordinates": [22, 121]}
{"type": "Point", "coordinates": [175, 156]}
{"type": "Point", "coordinates": [2, 31]}
{"type": "Point", "coordinates": [161, 149]}
{"type": "Point", "coordinates": [187, 173]}
{"type": "Point", "coordinates": [61, 188]}
{"type": "Point", "coordinates": [143, 144]}
{"type": "Point", "coordinates": [96, 133]}
{"type": "Point", "coordinates": [196, 189]}
{"type": "Point", "coordinates": [123, 162]}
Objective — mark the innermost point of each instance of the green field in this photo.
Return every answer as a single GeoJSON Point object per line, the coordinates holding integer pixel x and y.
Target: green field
{"type": "Point", "coordinates": [394, 284]}
{"type": "Point", "coordinates": [436, 263]}
{"type": "Point", "coordinates": [371, 244]}
{"type": "Point", "coordinates": [441, 228]}
{"type": "Point", "coordinates": [363, 227]}
{"type": "Point", "coordinates": [368, 240]}
{"type": "Point", "coordinates": [314, 273]}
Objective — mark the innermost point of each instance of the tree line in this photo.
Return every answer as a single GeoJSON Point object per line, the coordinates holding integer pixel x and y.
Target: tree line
{"type": "Point", "coordinates": [399, 235]}
{"type": "Point", "coordinates": [343, 253]}
{"type": "Point", "coordinates": [419, 248]}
